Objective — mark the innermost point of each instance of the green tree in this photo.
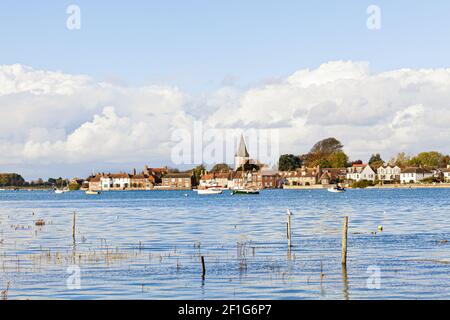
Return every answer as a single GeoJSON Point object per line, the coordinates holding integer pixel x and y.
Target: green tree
{"type": "Point", "coordinates": [326, 147]}
{"type": "Point", "coordinates": [221, 167]}
{"type": "Point", "coordinates": [11, 180]}
{"type": "Point", "coordinates": [197, 173]}
{"type": "Point", "coordinates": [376, 161]}
{"type": "Point", "coordinates": [327, 153]}
{"type": "Point", "coordinates": [428, 159]}
{"type": "Point", "coordinates": [338, 160]}
{"type": "Point", "coordinates": [289, 162]}
{"type": "Point", "coordinates": [74, 186]}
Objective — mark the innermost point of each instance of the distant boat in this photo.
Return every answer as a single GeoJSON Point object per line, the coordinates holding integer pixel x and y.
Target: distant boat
{"type": "Point", "coordinates": [209, 191]}
{"type": "Point", "coordinates": [60, 191]}
{"type": "Point", "coordinates": [245, 191]}
{"type": "Point", "coordinates": [336, 189]}
{"type": "Point", "coordinates": [92, 192]}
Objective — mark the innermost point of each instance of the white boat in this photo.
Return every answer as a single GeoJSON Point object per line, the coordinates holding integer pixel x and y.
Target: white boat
{"type": "Point", "coordinates": [209, 191]}
{"type": "Point", "coordinates": [336, 189]}
{"type": "Point", "coordinates": [92, 192]}
{"type": "Point", "coordinates": [60, 191]}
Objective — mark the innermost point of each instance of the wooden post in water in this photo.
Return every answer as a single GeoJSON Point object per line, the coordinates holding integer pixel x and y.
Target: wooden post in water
{"type": "Point", "coordinates": [203, 267]}
{"type": "Point", "coordinates": [73, 226]}
{"type": "Point", "coordinates": [289, 233]}
{"type": "Point", "coordinates": [344, 241]}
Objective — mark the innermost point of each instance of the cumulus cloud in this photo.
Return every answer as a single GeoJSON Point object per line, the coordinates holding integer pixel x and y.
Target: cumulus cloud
{"type": "Point", "coordinates": [400, 110]}
{"type": "Point", "coordinates": [54, 117]}
{"type": "Point", "coordinates": [48, 117]}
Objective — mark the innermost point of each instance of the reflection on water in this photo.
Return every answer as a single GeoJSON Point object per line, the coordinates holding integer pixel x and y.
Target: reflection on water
{"type": "Point", "coordinates": [345, 282]}
{"type": "Point", "coordinates": [148, 245]}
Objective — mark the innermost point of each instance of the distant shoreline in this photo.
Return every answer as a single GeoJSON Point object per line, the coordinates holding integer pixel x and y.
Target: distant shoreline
{"type": "Point", "coordinates": [313, 187]}
{"type": "Point", "coordinates": [386, 186]}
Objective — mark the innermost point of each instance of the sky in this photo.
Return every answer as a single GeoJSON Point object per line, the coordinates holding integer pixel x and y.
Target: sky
{"type": "Point", "coordinates": [136, 71]}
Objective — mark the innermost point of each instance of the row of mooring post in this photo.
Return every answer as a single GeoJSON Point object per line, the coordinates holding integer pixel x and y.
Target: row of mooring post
{"type": "Point", "coordinates": [289, 239]}
{"type": "Point", "coordinates": [74, 226]}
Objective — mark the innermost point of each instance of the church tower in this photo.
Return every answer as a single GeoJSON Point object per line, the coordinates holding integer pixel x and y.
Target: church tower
{"type": "Point", "coordinates": [242, 155]}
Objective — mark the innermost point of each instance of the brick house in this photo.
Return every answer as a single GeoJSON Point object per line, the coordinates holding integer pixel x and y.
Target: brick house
{"type": "Point", "coordinates": [95, 183]}
{"type": "Point", "coordinates": [142, 182]}
{"type": "Point", "coordinates": [177, 181]}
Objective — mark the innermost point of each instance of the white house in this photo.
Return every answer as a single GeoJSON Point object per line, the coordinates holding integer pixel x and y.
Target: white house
{"type": "Point", "coordinates": [389, 173]}
{"type": "Point", "coordinates": [446, 173]}
{"type": "Point", "coordinates": [414, 175]}
{"type": "Point", "coordinates": [360, 172]}
{"type": "Point", "coordinates": [119, 181]}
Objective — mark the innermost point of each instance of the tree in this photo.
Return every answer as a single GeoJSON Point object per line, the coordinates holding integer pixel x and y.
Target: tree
{"type": "Point", "coordinates": [326, 147]}
{"type": "Point", "coordinates": [289, 162]}
{"type": "Point", "coordinates": [432, 159]}
{"type": "Point", "coordinates": [197, 173]}
{"type": "Point", "coordinates": [11, 180]}
{"type": "Point", "coordinates": [401, 160]}
{"type": "Point", "coordinates": [375, 161]}
{"type": "Point", "coordinates": [356, 162]}
{"type": "Point", "coordinates": [327, 153]}
{"type": "Point", "coordinates": [221, 167]}
{"type": "Point", "coordinates": [338, 160]}
{"type": "Point", "coordinates": [446, 160]}
{"type": "Point", "coordinates": [73, 186]}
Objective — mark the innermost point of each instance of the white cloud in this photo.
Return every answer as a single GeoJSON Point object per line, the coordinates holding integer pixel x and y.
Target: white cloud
{"type": "Point", "coordinates": [52, 117]}
{"type": "Point", "coordinates": [401, 110]}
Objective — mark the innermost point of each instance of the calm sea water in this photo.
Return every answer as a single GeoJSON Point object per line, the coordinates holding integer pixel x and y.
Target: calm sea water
{"type": "Point", "coordinates": [147, 245]}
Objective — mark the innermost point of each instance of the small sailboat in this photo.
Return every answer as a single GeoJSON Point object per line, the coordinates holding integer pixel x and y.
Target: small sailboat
{"type": "Point", "coordinates": [92, 192]}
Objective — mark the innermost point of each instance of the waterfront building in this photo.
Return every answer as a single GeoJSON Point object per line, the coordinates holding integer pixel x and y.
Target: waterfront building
{"type": "Point", "coordinates": [333, 176]}
{"type": "Point", "coordinates": [218, 179]}
{"type": "Point", "coordinates": [302, 177]}
{"type": "Point", "coordinates": [389, 173]}
{"type": "Point", "coordinates": [177, 181]}
{"type": "Point", "coordinates": [268, 179]}
{"type": "Point", "coordinates": [142, 181]}
{"type": "Point", "coordinates": [359, 172]}
{"type": "Point", "coordinates": [95, 183]}
{"type": "Point", "coordinates": [414, 175]}
{"type": "Point", "coordinates": [446, 173]}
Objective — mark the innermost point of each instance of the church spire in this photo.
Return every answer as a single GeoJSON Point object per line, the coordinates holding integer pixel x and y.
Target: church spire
{"type": "Point", "coordinates": [242, 150]}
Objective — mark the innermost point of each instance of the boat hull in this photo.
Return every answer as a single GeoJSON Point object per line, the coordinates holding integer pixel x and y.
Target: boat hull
{"type": "Point", "coordinates": [245, 192]}
{"type": "Point", "coordinates": [333, 190]}
{"type": "Point", "coordinates": [92, 193]}
{"type": "Point", "coordinates": [209, 191]}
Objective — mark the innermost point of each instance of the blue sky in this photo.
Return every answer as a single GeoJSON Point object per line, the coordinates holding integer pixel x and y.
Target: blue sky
{"type": "Point", "coordinates": [199, 44]}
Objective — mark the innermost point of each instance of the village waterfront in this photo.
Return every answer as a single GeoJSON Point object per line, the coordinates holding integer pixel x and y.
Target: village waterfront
{"type": "Point", "coordinates": [149, 244]}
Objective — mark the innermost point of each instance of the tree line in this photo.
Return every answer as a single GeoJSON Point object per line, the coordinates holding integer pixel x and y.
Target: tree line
{"type": "Point", "coordinates": [329, 153]}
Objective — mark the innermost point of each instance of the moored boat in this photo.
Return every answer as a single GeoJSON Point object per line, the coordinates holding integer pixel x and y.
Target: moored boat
{"type": "Point", "coordinates": [209, 191]}
{"type": "Point", "coordinates": [92, 192]}
{"type": "Point", "coordinates": [245, 191]}
{"type": "Point", "coordinates": [336, 189]}
{"type": "Point", "coordinates": [60, 191]}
